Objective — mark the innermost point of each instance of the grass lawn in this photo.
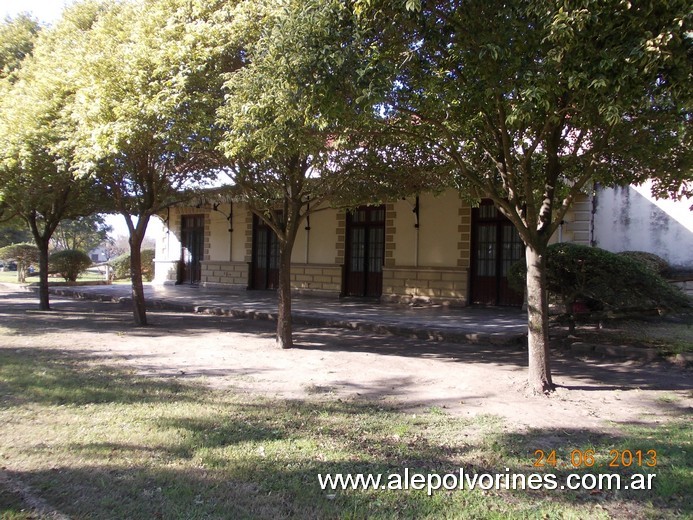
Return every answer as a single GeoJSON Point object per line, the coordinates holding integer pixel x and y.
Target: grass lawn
{"type": "Point", "coordinates": [11, 277]}
{"type": "Point", "coordinates": [8, 276]}
{"type": "Point", "coordinates": [98, 442]}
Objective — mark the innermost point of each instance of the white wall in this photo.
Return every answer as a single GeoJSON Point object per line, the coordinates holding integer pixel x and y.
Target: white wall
{"type": "Point", "coordinates": [630, 219]}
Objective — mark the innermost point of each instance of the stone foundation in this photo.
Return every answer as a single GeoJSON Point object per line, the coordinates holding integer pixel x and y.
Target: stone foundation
{"type": "Point", "coordinates": [425, 284]}
{"type": "Point", "coordinates": [233, 274]}
{"type": "Point", "coordinates": [322, 279]}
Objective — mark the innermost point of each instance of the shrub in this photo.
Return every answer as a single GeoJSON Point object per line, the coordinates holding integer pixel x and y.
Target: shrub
{"type": "Point", "coordinates": [650, 260]}
{"type": "Point", "coordinates": [121, 265]}
{"type": "Point", "coordinates": [603, 280]}
{"type": "Point", "coordinates": [23, 254]}
{"type": "Point", "coordinates": [69, 263]}
{"type": "Point", "coordinates": [517, 276]}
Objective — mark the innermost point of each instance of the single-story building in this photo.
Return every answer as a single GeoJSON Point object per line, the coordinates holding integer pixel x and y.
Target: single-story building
{"type": "Point", "coordinates": [433, 248]}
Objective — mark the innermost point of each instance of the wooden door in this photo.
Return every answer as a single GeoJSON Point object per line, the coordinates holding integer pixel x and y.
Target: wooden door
{"type": "Point", "coordinates": [192, 250]}
{"type": "Point", "coordinates": [496, 245]}
{"type": "Point", "coordinates": [265, 264]}
{"type": "Point", "coordinates": [365, 251]}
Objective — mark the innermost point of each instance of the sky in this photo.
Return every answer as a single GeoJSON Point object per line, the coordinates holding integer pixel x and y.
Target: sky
{"type": "Point", "coordinates": [47, 11]}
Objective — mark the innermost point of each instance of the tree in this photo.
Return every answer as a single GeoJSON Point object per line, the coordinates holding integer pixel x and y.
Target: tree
{"type": "Point", "coordinates": [83, 233]}
{"type": "Point", "coordinates": [527, 103]}
{"type": "Point", "coordinates": [295, 130]}
{"type": "Point", "coordinates": [24, 254]}
{"type": "Point", "coordinates": [17, 38]}
{"type": "Point", "coordinates": [145, 116]}
{"type": "Point", "coordinates": [36, 179]}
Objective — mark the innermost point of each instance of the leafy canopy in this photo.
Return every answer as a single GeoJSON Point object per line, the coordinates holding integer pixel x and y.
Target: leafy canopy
{"type": "Point", "coordinates": [17, 38]}
{"type": "Point", "coordinates": [144, 113]}
{"type": "Point", "coordinates": [528, 102]}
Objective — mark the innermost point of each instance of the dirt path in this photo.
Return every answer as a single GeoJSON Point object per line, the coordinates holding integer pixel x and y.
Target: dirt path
{"type": "Point", "coordinates": [463, 380]}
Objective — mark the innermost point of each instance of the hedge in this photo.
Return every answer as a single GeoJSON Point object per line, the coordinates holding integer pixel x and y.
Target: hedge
{"type": "Point", "coordinates": [604, 281]}
{"type": "Point", "coordinates": [121, 265]}
{"type": "Point", "coordinates": [69, 263]}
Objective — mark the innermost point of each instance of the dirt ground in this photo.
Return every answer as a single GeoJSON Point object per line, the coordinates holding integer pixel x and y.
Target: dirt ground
{"type": "Point", "coordinates": [464, 380]}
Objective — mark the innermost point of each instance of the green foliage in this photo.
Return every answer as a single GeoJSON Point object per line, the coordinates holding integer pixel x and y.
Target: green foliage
{"type": "Point", "coordinates": [145, 114]}
{"type": "Point", "coordinates": [17, 39]}
{"type": "Point", "coordinates": [14, 232]}
{"type": "Point", "coordinates": [528, 103]}
{"type": "Point", "coordinates": [121, 265]}
{"type": "Point", "coordinates": [650, 260]}
{"type": "Point", "coordinates": [24, 254]}
{"type": "Point", "coordinates": [69, 263]}
{"type": "Point", "coordinates": [85, 233]}
{"type": "Point", "coordinates": [605, 280]}
{"type": "Point", "coordinates": [294, 106]}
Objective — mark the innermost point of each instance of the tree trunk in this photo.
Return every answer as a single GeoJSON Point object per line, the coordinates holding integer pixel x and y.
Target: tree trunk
{"type": "Point", "coordinates": [21, 272]}
{"type": "Point", "coordinates": [538, 321]}
{"type": "Point", "coordinates": [284, 321]}
{"type": "Point", "coordinates": [139, 309]}
{"type": "Point", "coordinates": [44, 303]}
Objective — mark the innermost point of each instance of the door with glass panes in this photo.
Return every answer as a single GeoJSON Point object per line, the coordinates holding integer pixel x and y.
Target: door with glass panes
{"type": "Point", "coordinates": [365, 251]}
{"type": "Point", "coordinates": [265, 263]}
{"type": "Point", "coordinates": [192, 250]}
{"type": "Point", "coordinates": [496, 245]}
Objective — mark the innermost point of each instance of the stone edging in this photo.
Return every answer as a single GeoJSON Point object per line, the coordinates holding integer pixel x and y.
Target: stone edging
{"type": "Point", "coordinates": [516, 340]}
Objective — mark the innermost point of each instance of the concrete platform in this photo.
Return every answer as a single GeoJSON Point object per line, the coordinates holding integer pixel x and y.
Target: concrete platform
{"type": "Point", "coordinates": [496, 325]}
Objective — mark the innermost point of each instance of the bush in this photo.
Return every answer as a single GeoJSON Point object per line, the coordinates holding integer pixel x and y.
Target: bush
{"type": "Point", "coordinates": [650, 260]}
{"type": "Point", "coordinates": [121, 265]}
{"type": "Point", "coordinates": [69, 263]}
{"type": "Point", "coordinates": [603, 280]}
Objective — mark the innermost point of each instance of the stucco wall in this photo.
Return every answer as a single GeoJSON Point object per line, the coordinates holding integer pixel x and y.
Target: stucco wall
{"type": "Point", "coordinates": [436, 242]}
{"type": "Point", "coordinates": [317, 246]}
{"type": "Point", "coordinates": [219, 234]}
{"type": "Point", "coordinates": [629, 219]}
{"type": "Point", "coordinates": [429, 263]}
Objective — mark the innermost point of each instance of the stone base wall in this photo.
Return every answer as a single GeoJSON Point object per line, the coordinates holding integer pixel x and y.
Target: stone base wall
{"type": "Point", "coordinates": [323, 279]}
{"type": "Point", "coordinates": [425, 284]}
{"type": "Point", "coordinates": [225, 273]}
{"type": "Point", "coordinates": [305, 278]}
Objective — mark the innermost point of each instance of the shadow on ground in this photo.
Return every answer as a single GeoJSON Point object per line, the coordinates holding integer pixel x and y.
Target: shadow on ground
{"type": "Point", "coordinates": [19, 317]}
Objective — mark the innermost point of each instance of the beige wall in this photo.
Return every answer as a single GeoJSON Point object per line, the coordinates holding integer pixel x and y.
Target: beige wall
{"type": "Point", "coordinates": [317, 246]}
{"type": "Point", "coordinates": [429, 263]}
{"type": "Point", "coordinates": [439, 229]}
{"type": "Point", "coordinates": [242, 233]}
{"type": "Point", "coordinates": [436, 243]}
{"type": "Point", "coordinates": [219, 235]}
